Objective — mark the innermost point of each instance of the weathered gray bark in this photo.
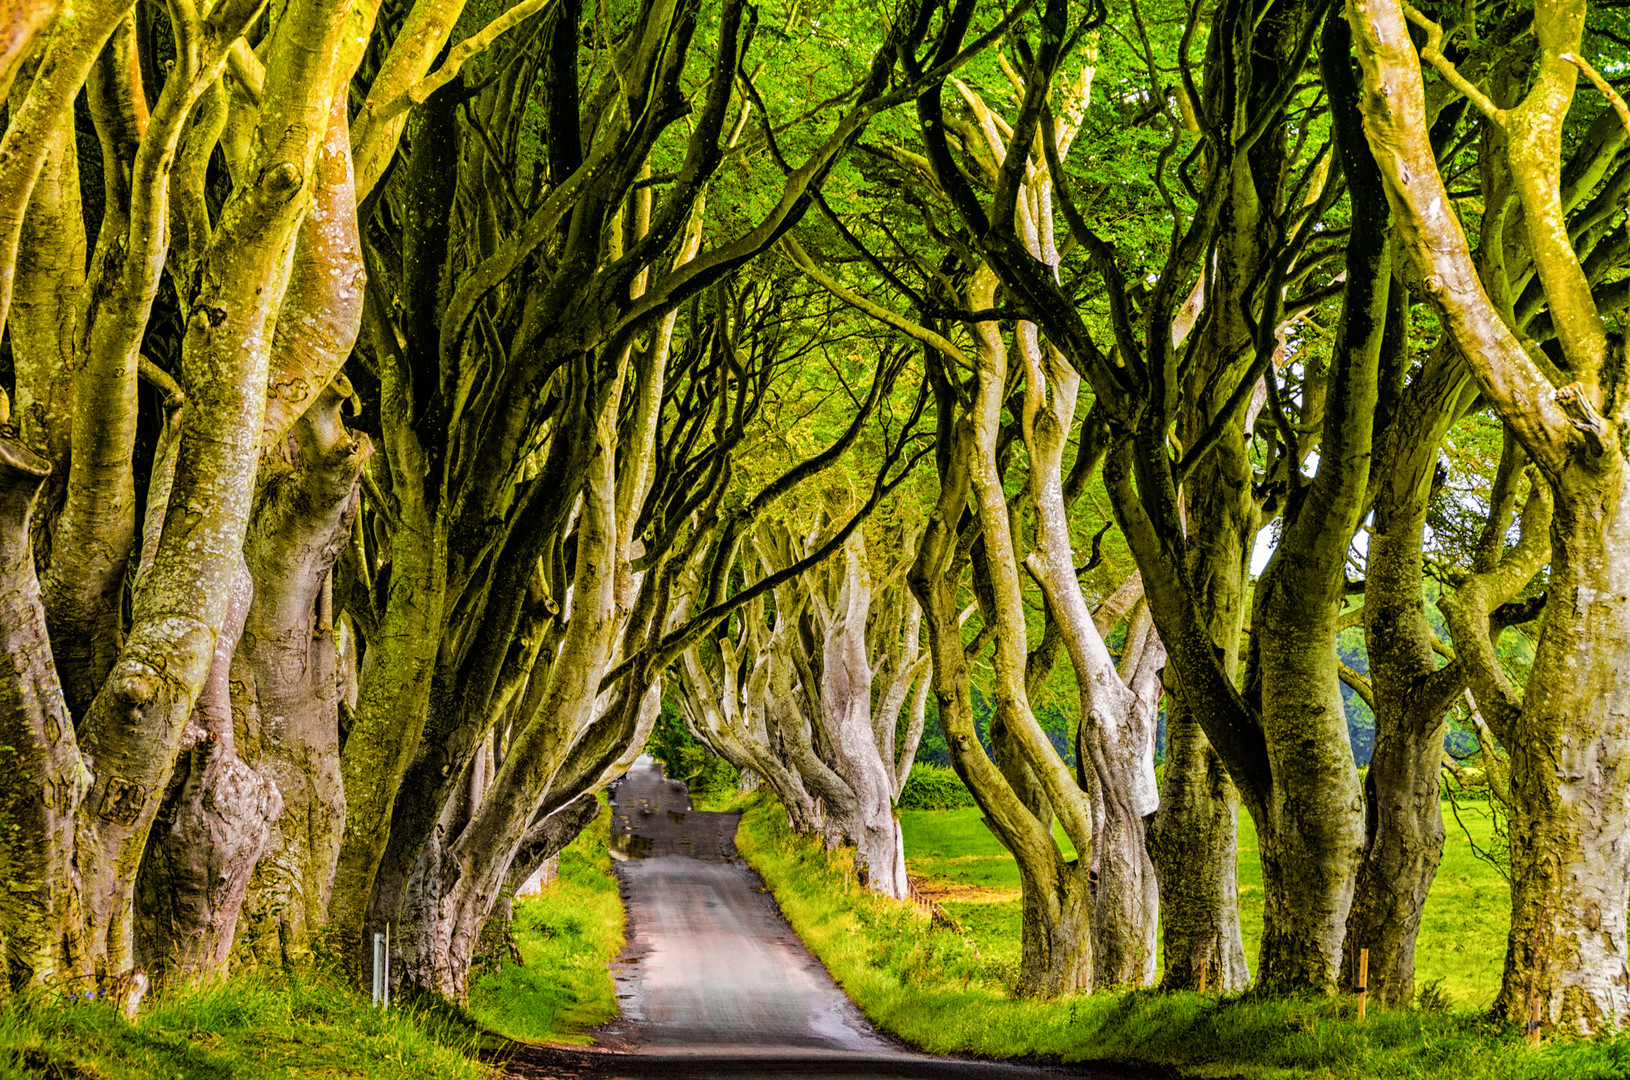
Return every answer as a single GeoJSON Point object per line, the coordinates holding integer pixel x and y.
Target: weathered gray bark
{"type": "Point", "coordinates": [846, 713]}
{"type": "Point", "coordinates": [210, 832]}
{"type": "Point", "coordinates": [41, 800]}
{"type": "Point", "coordinates": [736, 719]}
{"type": "Point", "coordinates": [285, 671]}
{"type": "Point", "coordinates": [799, 703]}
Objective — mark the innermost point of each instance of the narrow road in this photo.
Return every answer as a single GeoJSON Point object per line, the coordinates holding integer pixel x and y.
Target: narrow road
{"type": "Point", "coordinates": [714, 983]}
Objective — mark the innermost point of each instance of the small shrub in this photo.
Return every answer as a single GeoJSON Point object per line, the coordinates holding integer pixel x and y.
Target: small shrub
{"type": "Point", "coordinates": [930, 787]}
{"type": "Point", "coordinates": [1433, 998]}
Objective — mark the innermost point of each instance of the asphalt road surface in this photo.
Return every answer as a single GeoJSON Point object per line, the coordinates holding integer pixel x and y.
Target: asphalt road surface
{"type": "Point", "coordinates": [714, 983]}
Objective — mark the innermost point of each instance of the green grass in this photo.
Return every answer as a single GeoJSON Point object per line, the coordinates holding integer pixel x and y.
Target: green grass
{"type": "Point", "coordinates": [952, 992]}
{"type": "Point", "coordinates": [567, 936]}
{"type": "Point", "coordinates": [249, 1027]}
{"type": "Point", "coordinates": [1462, 937]}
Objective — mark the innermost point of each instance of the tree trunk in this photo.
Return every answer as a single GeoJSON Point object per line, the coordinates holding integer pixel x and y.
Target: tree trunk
{"type": "Point", "coordinates": [1193, 844]}
{"type": "Point", "coordinates": [1403, 812]}
{"type": "Point", "coordinates": [1311, 826]}
{"type": "Point", "coordinates": [285, 672]}
{"type": "Point", "coordinates": [1056, 934]}
{"type": "Point", "coordinates": [209, 834]}
{"type": "Point", "coordinates": [1194, 837]}
{"type": "Point", "coordinates": [545, 840]}
{"type": "Point", "coordinates": [1567, 735]}
{"type": "Point", "coordinates": [846, 705]}
{"type": "Point", "coordinates": [1404, 830]}
{"type": "Point", "coordinates": [39, 802]}
{"type": "Point", "coordinates": [1056, 937]}
{"type": "Point", "coordinates": [1570, 867]}
{"type": "Point", "coordinates": [133, 729]}
{"type": "Point", "coordinates": [1311, 830]}
{"type": "Point", "coordinates": [50, 275]}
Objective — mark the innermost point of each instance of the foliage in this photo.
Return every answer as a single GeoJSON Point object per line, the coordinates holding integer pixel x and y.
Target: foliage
{"type": "Point", "coordinates": [708, 775]}
{"type": "Point", "coordinates": [1058, 725]}
{"type": "Point", "coordinates": [946, 992]}
{"type": "Point", "coordinates": [567, 935]}
{"type": "Point", "coordinates": [255, 1026]}
{"type": "Point", "coordinates": [930, 787]}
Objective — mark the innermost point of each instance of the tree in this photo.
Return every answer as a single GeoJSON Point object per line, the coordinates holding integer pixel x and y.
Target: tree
{"type": "Point", "coordinates": [97, 734]}
{"type": "Point", "coordinates": [1076, 933]}
{"type": "Point", "coordinates": [794, 695]}
{"type": "Point", "coordinates": [1567, 943]}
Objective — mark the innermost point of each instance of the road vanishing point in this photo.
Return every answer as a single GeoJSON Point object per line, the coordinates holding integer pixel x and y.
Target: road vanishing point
{"type": "Point", "coordinates": [714, 983]}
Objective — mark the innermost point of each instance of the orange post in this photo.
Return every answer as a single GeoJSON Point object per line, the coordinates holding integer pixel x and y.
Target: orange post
{"type": "Point", "coordinates": [1363, 980]}
{"type": "Point", "coordinates": [1533, 1022]}
{"type": "Point", "coordinates": [1204, 967]}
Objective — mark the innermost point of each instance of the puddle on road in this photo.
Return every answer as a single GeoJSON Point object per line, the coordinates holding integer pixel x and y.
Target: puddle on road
{"type": "Point", "coordinates": [631, 846]}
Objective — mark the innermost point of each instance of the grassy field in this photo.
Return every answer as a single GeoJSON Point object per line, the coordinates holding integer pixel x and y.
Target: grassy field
{"type": "Point", "coordinates": [567, 935]}
{"type": "Point", "coordinates": [249, 1027]}
{"type": "Point", "coordinates": [952, 992]}
{"type": "Point", "coordinates": [1462, 939]}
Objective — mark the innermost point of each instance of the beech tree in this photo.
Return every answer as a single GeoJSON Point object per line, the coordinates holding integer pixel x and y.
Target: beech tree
{"type": "Point", "coordinates": [1567, 941]}
{"type": "Point", "coordinates": [95, 734]}
{"type": "Point", "coordinates": [1090, 920]}
{"type": "Point", "coordinates": [391, 422]}
{"type": "Point", "coordinates": [810, 689]}
{"type": "Point", "coordinates": [237, 684]}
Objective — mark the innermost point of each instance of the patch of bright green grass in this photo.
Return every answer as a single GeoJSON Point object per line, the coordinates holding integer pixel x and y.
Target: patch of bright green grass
{"type": "Point", "coordinates": [567, 935]}
{"type": "Point", "coordinates": [949, 992]}
{"type": "Point", "coordinates": [1462, 936]}
{"type": "Point", "coordinates": [255, 1026]}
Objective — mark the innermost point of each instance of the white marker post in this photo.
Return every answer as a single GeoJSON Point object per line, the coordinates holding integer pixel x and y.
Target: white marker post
{"type": "Point", "coordinates": [379, 969]}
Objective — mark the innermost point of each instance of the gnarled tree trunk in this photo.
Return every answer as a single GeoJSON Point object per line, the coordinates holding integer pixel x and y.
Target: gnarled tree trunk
{"type": "Point", "coordinates": [285, 672]}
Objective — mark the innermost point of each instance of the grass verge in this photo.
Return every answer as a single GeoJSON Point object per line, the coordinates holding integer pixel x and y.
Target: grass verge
{"type": "Point", "coordinates": [960, 864]}
{"type": "Point", "coordinates": [260, 1025]}
{"type": "Point", "coordinates": [249, 1027]}
{"type": "Point", "coordinates": [947, 993]}
{"type": "Point", "coordinates": [567, 936]}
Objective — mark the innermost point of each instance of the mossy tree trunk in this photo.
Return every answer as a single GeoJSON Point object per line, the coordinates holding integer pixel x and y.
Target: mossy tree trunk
{"type": "Point", "coordinates": [1410, 688]}
{"type": "Point", "coordinates": [1566, 734]}
{"type": "Point", "coordinates": [473, 515]}
{"type": "Point", "coordinates": [147, 685]}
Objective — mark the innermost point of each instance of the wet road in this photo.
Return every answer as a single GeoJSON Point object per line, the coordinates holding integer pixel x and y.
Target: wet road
{"type": "Point", "coordinates": [714, 983]}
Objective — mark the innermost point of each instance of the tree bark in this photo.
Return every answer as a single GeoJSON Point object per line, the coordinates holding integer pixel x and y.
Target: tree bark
{"type": "Point", "coordinates": [1403, 812]}
{"type": "Point", "coordinates": [1193, 843]}
{"type": "Point", "coordinates": [846, 707]}
{"type": "Point", "coordinates": [1567, 735]}
{"type": "Point", "coordinates": [43, 325]}
{"type": "Point", "coordinates": [285, 672]}
{"type": "Point", "coordinates": [40, 803]}
{"type": "Point", "coordinates": [210, 832]}
{"type": "Point", "coordinates": [132, 731]}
